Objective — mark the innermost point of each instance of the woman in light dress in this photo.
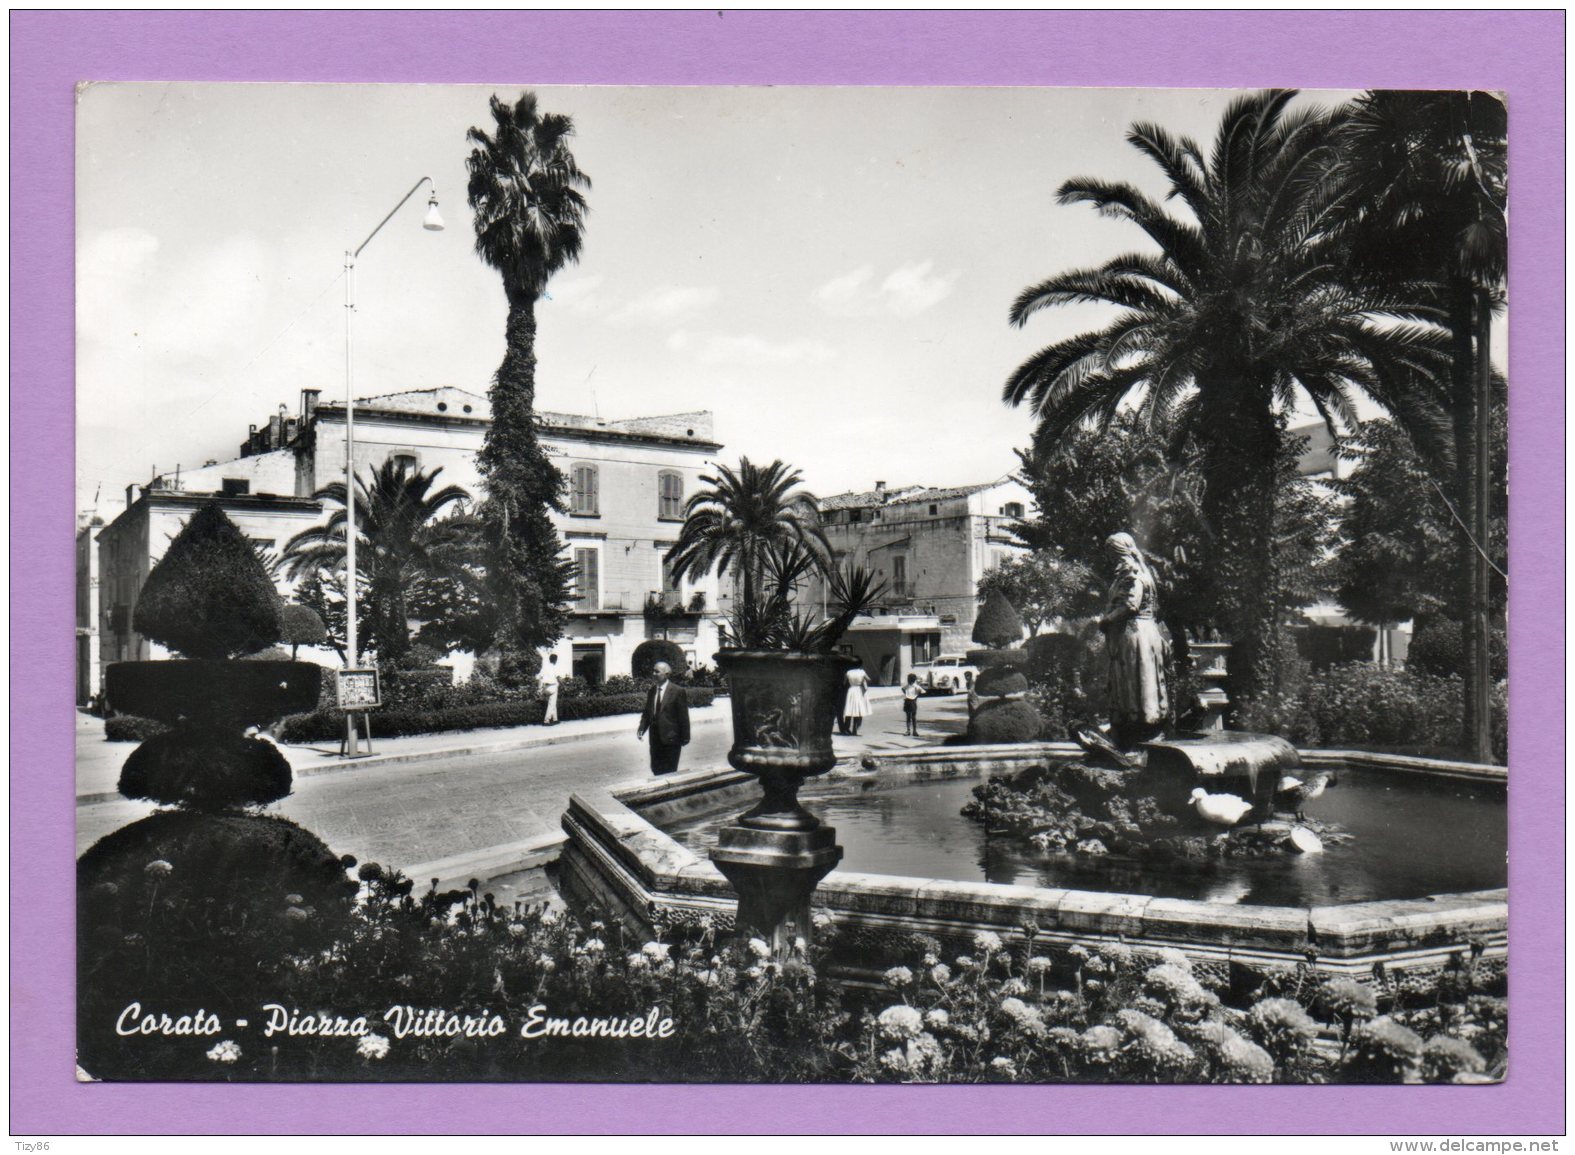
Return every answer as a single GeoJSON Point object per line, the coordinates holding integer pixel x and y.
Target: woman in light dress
{"type": "Point", "coordinates": [1136, 650]}
{"type": "Point", "coordinates": [856, 707]}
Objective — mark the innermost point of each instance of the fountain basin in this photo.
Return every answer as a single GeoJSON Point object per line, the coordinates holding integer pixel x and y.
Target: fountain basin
{"type": "Point", "coordinates": [621, 854]}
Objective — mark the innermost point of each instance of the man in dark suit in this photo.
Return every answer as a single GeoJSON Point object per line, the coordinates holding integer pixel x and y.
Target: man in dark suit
{"type": "Point", "coordinates": [666, 716]}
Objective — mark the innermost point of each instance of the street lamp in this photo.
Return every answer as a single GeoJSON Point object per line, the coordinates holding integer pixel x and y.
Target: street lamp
{"type": "Point", "coordinates": [433, 222]}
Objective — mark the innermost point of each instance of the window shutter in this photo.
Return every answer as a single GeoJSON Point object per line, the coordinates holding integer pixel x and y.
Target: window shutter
{"type": "Point", "coordinates": [587, 578]}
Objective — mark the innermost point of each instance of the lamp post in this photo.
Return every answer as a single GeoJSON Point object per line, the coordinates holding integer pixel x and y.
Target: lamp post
{"type": "Point", "coordinates": [433, 222]}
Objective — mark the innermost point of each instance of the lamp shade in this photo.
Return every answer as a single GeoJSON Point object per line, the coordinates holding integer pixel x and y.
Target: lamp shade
{"type": "Point", "coordinates": [434, 221]}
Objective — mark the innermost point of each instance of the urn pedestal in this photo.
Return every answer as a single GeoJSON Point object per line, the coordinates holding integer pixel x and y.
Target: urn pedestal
{"type": "Point", "coordinates": [776, 853]}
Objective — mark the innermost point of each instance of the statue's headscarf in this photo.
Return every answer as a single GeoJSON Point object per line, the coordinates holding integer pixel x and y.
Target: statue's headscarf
{"type": "Point", "coordinates": [1127, 547]}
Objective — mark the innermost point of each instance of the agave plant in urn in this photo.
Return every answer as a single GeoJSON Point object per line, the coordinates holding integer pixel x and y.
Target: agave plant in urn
{"type": "Point", "coordinates": [785, 677]}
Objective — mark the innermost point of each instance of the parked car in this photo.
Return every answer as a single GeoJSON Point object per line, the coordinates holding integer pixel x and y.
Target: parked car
{"type": "Point", "coordinates": [947, 674]}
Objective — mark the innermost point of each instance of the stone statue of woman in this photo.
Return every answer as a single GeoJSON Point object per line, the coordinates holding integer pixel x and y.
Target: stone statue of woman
{"type": "Point", "coordinates": [1134, 647]}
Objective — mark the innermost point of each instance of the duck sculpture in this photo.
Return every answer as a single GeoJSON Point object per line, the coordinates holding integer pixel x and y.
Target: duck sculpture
{"type": "Point", "coordinates": [1294, 791]}
{"type": "Point", "coordinates": [1220, 809]}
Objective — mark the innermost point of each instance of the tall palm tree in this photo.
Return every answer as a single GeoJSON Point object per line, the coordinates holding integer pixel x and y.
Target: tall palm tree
{"type": "Point", "coordinates": [402, 542]}
{"type": "Point", "coordinates": [1424, 176]}
{"type": "Point", "coordinates": [741, 517]}
{"type": "Point", "coordinates": [1241, 308]}
{"type": "Point", "coordinates": [525, 191]}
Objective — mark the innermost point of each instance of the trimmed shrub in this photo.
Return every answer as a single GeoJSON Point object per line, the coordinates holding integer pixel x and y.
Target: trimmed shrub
{"type": "Point", "coordinates": [989, 659]}
{"type": "Point", "coordinates": [300, 626]}
{"type": "Point", "coordinates": [642, 664]}
{"type": "Point", "coordinates": [209, 597]}
{"type": "Point", "coordinates": [999, 681]}
{"type": "Point", "coordinates": [1437, 648]}
{"type": "Point", "coordinates": [328, 725]}
{"type": "Point", "coordinates": [131, 728]}
{"type": "Point", "coordinates": [206, 771]}
{"type": "Point", "coordinates": [416, 687]}
{"type": "Point", "coordinates": [1004, 720]}
{"type": "Point", "coordinates": [997, 625]}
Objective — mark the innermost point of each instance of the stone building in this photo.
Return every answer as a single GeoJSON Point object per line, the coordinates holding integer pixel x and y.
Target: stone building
{"type": "Point", "coordinates": [930, 546]}
{"type": "Point", "coordinates": [628, 481]}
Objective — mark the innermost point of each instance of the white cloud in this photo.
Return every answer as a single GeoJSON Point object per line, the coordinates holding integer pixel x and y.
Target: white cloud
{"type": "Point", "coordinates": [668, 303]}
{"type": "Point", "coordinates": [906, 291]}
{"type": "Point", "coordinates": [747, 349]}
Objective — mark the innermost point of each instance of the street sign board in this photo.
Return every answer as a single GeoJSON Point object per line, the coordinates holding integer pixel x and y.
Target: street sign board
{"type": "Point", "coordinates": [359, 689]}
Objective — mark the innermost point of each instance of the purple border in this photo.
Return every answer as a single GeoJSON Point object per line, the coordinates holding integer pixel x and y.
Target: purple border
{"type": "Point", "coordinates": [1519, 52]}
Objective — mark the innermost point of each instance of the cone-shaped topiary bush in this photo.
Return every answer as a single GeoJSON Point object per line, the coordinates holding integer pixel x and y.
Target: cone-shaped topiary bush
{"type": "Point", "coordinates": [998, 625]}
{"type": "Point", "coordinates": [210, 596]}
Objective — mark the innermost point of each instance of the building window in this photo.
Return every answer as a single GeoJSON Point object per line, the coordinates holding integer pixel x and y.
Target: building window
{"type": "Point", "coordinates": [934, 509]}
{"type": "Point", "coordinates": [670, 591]}
{"type": "Point", "coordinates": [587, 579]}
{"type": "Point", "coordinates": [670, 500]}
{"type": "Point", "coordinates": [853, 516]}
{"type": "Point", "coordinates": [583, 491]}
{"type": "Point", "coordinates": [899, 577]}
{"type": "Point", "coordinates": [926, 647]}
{"type": "Point", "coordinates": [404, 463]}
{"type": "Point", "coordinates": [235, 487]}
{"type": "Point", "coordinates": [1012, 509]}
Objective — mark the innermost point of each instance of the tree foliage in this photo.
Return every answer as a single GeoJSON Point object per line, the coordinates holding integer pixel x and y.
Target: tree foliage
{"type": "Point", "coordinates": [209, 596]}
{"type": "Point", "coordinates": [1245, 307]}
{"type": "Point", "coordinates": [525, 191]}
{"type": "Point", "coordinates": [1042, 586]}
{"type": "Point", "coordinates": [404, 544]}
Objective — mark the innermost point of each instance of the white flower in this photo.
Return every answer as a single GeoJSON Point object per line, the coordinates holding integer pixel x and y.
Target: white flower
{"type": "Point", "coordinates": [755, 973]}
{"type": "Point", "coordinates": [987, 942]}
{"type": "Point", "coordinates": [549, 919]}
{"type": "Point", "coordinates": [1014, 987]}
{"type": "Point", "coordinates": [940, 973]}
{"type": "Point", "coordinates": [656, 951]}
{"type": "Point", "coordinates": [758, 947]}
{"type": "Point", "coordinates": [637, 962]}
{"type": "Point", "coordinates": [898, 977]}
{"type": "Point", "coordinates": [372, 1047]}
{"type": "Point", "coordinates": [1039, 964]}
{"type": "Point", "coordinates": [900, 1023]}
{"type": "Point", "coordinates": [593, 946]}
{"type": "Point", "coordinates": [598, 924]}
{"type": "Point", "coordinates": [936, 1017]}
{"type": "Point", "coordinates": [546, 963]}
{"type": "Point", "coordinates": [820, 920]}
{"type": "Point", "coordinates": [964, 962]}
{"type": "Point", "coordinates": [800, 945]}
{"type": "Point", "coordinates": [225, 1052]}
{"type": "Point", "coordinates": [517, 929]}
{"type": "Point", "coordinates": [158, 868]}
{"type": "Point", "coordinates": [1003, 1067]}
{"type": "Point", "coordinates": [930, 960]}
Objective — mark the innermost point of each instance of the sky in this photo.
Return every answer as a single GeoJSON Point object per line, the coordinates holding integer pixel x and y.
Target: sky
{"type": "Point", "coordinates": [827, 269]}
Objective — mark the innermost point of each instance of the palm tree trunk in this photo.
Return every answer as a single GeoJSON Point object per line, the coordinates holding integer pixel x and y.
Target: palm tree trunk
{"type": "Point", "coordinates": [1480, 738]}
{"type": "Point", "coordinates": [1463, 374]}
{"type": "Point", "coordinates": [1241, 443]}
{"type": "Point", "coordinates": [528, 590]}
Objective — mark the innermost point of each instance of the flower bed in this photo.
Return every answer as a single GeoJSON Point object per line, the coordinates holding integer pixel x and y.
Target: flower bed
{"type": "Point", "coordinates": [455, 986]}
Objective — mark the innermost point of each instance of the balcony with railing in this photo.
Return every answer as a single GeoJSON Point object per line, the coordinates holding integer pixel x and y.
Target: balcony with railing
{"type": "Point", "coordinates": [667, 604]}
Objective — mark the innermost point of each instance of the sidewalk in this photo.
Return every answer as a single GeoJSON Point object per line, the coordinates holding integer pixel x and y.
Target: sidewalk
{"type": "Point", "coordinates": [99, 762]}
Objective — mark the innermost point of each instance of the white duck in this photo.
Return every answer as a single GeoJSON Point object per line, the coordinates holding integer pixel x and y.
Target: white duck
{"type": "Point", "coordinates": [1220, 809]}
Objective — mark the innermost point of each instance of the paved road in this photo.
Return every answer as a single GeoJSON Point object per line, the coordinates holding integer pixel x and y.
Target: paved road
{"type": "Point", "coordinates": [425, 811]}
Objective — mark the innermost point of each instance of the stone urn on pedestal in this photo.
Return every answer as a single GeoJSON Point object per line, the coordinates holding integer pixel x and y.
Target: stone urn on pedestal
{"type": "Point", "coordinates": [775, 854]}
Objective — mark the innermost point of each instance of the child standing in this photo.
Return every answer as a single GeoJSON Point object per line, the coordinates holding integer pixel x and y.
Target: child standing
{"type": "Point", "coordinates": [910, 705]}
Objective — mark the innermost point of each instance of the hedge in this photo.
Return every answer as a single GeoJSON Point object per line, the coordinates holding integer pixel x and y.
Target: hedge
{"type": "Point", "coordinates": [328, 725]}
{"type": "Point", "coordinates": [130, 728]}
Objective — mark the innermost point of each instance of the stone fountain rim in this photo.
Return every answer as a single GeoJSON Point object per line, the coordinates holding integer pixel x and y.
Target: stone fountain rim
{"type": "Point", "coordinates": [1347, 936]}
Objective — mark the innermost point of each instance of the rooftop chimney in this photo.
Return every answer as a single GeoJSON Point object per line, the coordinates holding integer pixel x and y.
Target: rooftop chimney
{"type": "Point", "coordinates": [309, 403]}
{"type": "Point", "coordinates": [880, 489]}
